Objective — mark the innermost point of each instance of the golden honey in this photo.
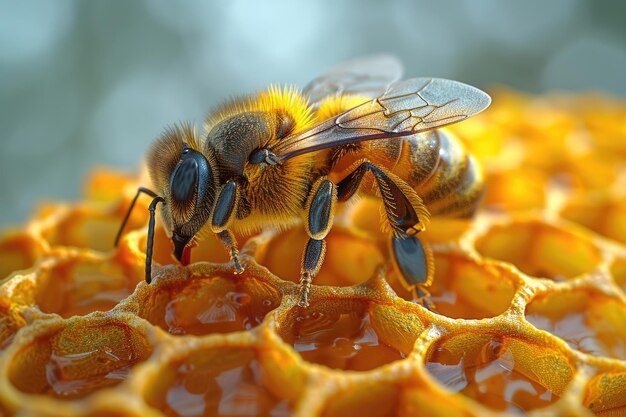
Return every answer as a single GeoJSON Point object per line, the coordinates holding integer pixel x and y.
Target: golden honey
{"type": "Point", "coordinates": [211, 305]}
{"type": "Point", "coordinates": [78, 359]}
{"type": "Point", "coordinates": [216, 382]}
{"type": "Point", "coordinates": [340, 338]}
{"type": "Point", "coordinates": [487, 369]}
{"type": "Point", "coordinates": [530, 313]}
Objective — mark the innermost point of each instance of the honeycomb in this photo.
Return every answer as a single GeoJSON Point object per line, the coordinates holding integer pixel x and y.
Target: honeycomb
{"type": "Point", "coordinates": [530, 308]}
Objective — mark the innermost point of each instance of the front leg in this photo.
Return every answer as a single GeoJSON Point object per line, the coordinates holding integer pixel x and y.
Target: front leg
{"type": "Point", "coordinates": [320, 209]}
{"type": "Point", "coordinates": [229, 241]}
{"type": "Point", "coordinates": [223, 211]}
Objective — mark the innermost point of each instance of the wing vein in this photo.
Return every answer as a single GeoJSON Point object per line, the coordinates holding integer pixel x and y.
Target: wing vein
{"type": "Point", "coordinates": [405, 108]}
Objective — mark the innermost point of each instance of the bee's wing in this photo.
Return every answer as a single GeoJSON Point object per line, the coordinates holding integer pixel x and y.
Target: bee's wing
{"type": "Point", "coordinates": [407, 107]}
{"type": "Point", "coordinates": [368, 76]}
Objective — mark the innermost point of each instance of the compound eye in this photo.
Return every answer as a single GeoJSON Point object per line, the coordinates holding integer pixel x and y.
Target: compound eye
{"type": "Point", "coordinates": [184, 180]}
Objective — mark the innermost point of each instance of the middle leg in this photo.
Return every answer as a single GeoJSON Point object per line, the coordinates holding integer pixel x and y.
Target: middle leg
{"type": "Point", "coordinates": [320, 210]}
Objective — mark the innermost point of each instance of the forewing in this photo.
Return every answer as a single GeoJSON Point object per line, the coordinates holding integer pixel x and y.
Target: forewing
{"type": "Point", "coordinates": [407, 107]}
{"type": "Point", "coordinates": [368, 76]}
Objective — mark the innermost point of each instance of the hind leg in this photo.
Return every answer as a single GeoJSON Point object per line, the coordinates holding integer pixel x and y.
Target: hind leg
{"type": "Point", "coordinates": [406, 215]}
{"type": "Point", "coordinates": [414, 261]}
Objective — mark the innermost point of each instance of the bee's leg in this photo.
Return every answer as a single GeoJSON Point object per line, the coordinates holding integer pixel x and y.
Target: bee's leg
{"type": "Point", "coordinates": [320, 208]}
{"type": "Point", "coordinates": [404, 209]}
{"type": "Point", "coordinates": [415, 263]}
{"type": "Point", "coordinates": [228, 239]}
{"type": "Point", "coordinates": [422, 296]}
{"type": "Point", "coordinates": [223, 211]}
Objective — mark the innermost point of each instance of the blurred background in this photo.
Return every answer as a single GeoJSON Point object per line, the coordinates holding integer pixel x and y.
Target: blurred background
{"type": "Point", "coordinates": [85, 84]}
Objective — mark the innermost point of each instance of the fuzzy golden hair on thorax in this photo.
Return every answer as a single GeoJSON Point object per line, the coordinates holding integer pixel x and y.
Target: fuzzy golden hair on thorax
{"type": "Point", "coordinates": [287, 101]}
{"type": "Point", "coordinates": [276, 194]}
{"type": "Point", "coordinates": [335, 105]}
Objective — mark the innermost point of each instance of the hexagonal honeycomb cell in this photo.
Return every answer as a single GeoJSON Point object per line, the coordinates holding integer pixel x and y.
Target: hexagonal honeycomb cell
{"type": "Point", "coordinates": [353, 335]}
{"type": "Point", "coordinates": [529, 297]}
{"type": "Point", "coordinates": [216, 381]}
{"type": "Point", "coordinates": [540, 249]}
{"type": "Point", "coordinates": [462, 284]}
{"type": "Point", "coordinates": [587, 320]}
{"type": "Point", "coordinates": [505, 374]}
{"type": "Point", "coordinates": [86, 355]}
{"type": "Point", "coordinates": [208, 305]}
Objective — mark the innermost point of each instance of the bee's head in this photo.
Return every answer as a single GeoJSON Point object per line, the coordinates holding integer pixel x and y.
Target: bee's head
{"type": "Point", "coordinates": [186, 180]}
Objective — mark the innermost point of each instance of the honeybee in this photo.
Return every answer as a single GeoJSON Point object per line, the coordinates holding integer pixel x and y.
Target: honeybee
{"type": "Point", "coordinates": [271, 159]}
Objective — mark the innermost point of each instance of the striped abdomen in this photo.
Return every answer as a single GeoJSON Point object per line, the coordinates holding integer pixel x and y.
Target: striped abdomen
{"type": "Point", "coordinates": [443, 174]}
